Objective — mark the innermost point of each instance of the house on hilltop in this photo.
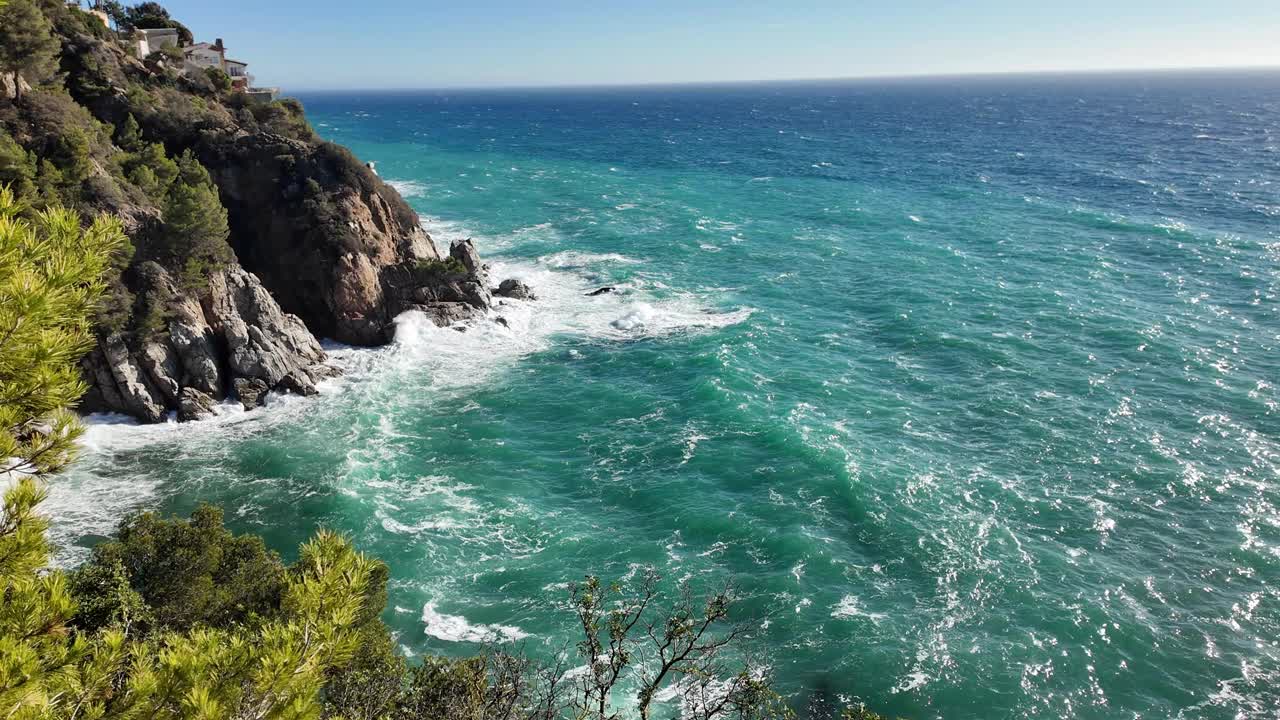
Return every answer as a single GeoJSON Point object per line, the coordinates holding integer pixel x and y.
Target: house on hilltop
{"type": "Point", "coordinates": [149, 40]}
{"type": "Point", "coordinates": [206, 55]}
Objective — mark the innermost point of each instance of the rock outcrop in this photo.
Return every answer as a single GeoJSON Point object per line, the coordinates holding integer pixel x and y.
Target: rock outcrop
{"type": "Point", "coordinates": [322, 246]}
{"type": "Point", "coordinates": [231, 337]}
{"type": "Point", "coordinates": [514, 289]}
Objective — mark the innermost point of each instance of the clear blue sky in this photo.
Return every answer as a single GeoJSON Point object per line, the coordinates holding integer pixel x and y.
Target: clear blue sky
{"type": "Point", "coordinates": [423, 43]}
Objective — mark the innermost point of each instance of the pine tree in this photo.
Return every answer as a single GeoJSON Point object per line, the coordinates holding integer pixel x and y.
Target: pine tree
{"type": "Point", "coordinates": [28, 48]}
{"type": "Point", "coordinates": [50, 278]}
{"type": "Point", "coordinates": [195, 223]}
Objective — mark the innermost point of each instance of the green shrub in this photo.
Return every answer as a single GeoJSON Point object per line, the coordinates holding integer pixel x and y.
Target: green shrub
{"type": "Point", "coordinates": [27, 44]}
{"type": "Point", "coordinates": [445, 268]}
{"type": "Point", "coordinates": [220, 79]}
{"type": "Point", "coordinates": [195, 224]}
{"type": "Point", "coordinates": [17, 167]}
{"type": "Point", "coordinates": [188, 573]}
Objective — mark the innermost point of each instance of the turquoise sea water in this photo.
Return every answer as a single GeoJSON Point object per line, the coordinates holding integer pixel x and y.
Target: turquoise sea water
{"type": "Point", "coordinates": [968, 384]}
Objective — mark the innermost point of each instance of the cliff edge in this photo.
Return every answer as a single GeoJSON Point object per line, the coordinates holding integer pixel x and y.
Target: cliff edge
{"type": "Point", "coordinates": [251, 236]}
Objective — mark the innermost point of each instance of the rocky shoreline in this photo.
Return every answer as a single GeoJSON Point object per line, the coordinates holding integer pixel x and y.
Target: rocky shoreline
{"type": "Point", "coordinates": [233, 340]}
{"type": "Point", "coordinates": [294, 239]}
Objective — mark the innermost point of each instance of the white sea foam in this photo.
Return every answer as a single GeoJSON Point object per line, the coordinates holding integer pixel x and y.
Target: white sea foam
{"type": "Point", "coordinates": [850, 607]}
{"type": "Point", "coordinates": [408, 188]}
{"type": "Point", "coordinates": [578, 259]}
{"type": "Point", "coordinates": [456, 628]}
{"type": "Point", "coordinates": [92, 497]}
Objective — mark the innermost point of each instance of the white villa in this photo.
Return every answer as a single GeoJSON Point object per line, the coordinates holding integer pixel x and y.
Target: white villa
{"type": "Point", "coordinates": [152, 39]}
{"type": "Point", "coordinates": [201, 56]}
{"type": "Point", "coordinates": [206, 55]}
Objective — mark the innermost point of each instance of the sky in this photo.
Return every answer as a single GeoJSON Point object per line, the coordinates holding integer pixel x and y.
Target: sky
{"type": "Point", "coordinates": [325, 44]}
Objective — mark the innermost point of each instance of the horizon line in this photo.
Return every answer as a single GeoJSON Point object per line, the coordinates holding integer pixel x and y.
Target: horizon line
{"type": "Point", "coordinates": [995, 74]}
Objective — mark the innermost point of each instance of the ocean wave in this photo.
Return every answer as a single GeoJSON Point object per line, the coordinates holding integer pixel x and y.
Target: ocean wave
{"type": "Point", "coordinates": [579, 259]}
{"type": "Point", "coordinates": [456, 628]}
{"type": "Point", "coordinates": [408, 188]}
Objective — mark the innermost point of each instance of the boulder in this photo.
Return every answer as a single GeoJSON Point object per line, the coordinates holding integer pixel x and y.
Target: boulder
{"type": "Point", "coordinates": [161, 364]}
{"type": "Point", "coordinates": [194, 405]}
{"type": "Point", "coordinates": [298, 383]}
{"type": "Point", "coordinates": [464, 251]}
{"type": "Point", "coordinates": [444, 314]}
{"type": "Point", "coordinates": [251, 392]}
{"type": "Point", "coordinates": [600, 291]}
{"type": "Point", "coordinates": [514, 289]}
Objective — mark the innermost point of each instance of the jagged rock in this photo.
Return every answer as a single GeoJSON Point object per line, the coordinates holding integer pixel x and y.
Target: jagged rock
{"type": "Point", "coordinates": [318, 228]}
{"type": "Point", "coordinates": [323, 371]}
{"type": "Point", "coordinates": [298, 384]}
{"type": "Point", "coordinates": [194, 405]}
{"type": "Point", "coordinates": [601, 291]}
{"type": "Point", "coordinates": [193, 340]}
{"type": "Point", "coordinates": [502, 321]}
{"type": "Point", "coordinates": [251, 392]}
{"type": "Point", "coordinates": [234, 325]}
{"type": "Point", "coordinates": [137, 395]}
{"type": "Point", "coordinates": [161, 364]}
{"type": "Point", "coordinates": [514, 289]}
{"type": "Point", "coordinates": [444, 314]}
{"type": "Point", "coordinates": [464, 251]}
{"type": "Point", "coordinates": [261, 340]}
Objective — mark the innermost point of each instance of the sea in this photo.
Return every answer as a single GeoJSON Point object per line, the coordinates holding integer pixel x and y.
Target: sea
{"type": "Point", "coordinates": [967, 386]}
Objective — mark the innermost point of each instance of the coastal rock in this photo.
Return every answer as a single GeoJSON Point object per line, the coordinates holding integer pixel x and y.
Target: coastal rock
{"type": "Point", "coordinates": [261, 341]}
{"type": "Point", "coordinates": [194, 405]}
{"type": "Point", "coordinates": [600, 291]}
{"type": "Point", "coordinates": [232, 334]}
{"type": "Point", "coordinates": [319, 229]}
{"type": "Point", "coordinates": [514, 289]}
{"type": "Point", "coordinates": [161, 363]}
{"type": "Point", "coordinates": [251, 392]}
{"type": "Point", "coordinates": [138, 397]}
{"type": "Point", "coordinates": [444, 314]}
{"type": "Point", "coordinates": [193, 340]}
{"type": "Point", "coordinates": [464, 251]}
{"type": "Point", "coordinates": [298, 384]}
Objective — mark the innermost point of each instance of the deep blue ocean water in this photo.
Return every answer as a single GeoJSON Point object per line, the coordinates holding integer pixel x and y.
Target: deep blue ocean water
{"type": "Point", "coordinates": [968, 384]}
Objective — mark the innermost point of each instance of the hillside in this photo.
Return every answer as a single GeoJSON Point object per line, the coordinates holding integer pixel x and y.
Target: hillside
{"type": "Point", "coordinates": [251, 237]}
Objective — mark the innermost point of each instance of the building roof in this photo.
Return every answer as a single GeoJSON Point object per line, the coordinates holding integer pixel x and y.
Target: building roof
{"type": "Point", "coordinates": [149, 32]}
{"type": "Point", "coordinates": [237, 62]}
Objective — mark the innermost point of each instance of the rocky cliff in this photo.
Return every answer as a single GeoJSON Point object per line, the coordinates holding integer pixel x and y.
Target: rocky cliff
{"type": "Point", "coordinates": [319, 245]}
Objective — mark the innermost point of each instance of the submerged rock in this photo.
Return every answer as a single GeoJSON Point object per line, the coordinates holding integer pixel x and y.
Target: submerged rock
{"type": "Point", "coordinates": [601, 291]}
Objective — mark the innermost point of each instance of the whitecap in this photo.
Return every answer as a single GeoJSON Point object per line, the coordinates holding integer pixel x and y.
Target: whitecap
{"type": "Point", "coordinates": [850, 607]}
{"type": "Point", "coordinates": [408, 188]}
{"type": "Point", "coordinates": [456, 628]}
{"type": "Point", "coordinates": [578, 259]}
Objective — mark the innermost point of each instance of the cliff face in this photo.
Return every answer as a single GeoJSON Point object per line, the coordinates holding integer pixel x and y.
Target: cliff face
{"type": "Point", "coordinates": [230, 338]}
{"type": "Point", "coordinates": [322, 247]}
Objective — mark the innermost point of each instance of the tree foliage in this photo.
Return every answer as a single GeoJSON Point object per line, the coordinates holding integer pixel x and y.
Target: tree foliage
{"type": "Point", "coordinates": [27, 45]}
{"type": "Point", "coordinates": [147, 15]}
{"type": "Point", "coordinates": [50, 279]}
{"type": "Point", "coordinates": [196, 231]}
